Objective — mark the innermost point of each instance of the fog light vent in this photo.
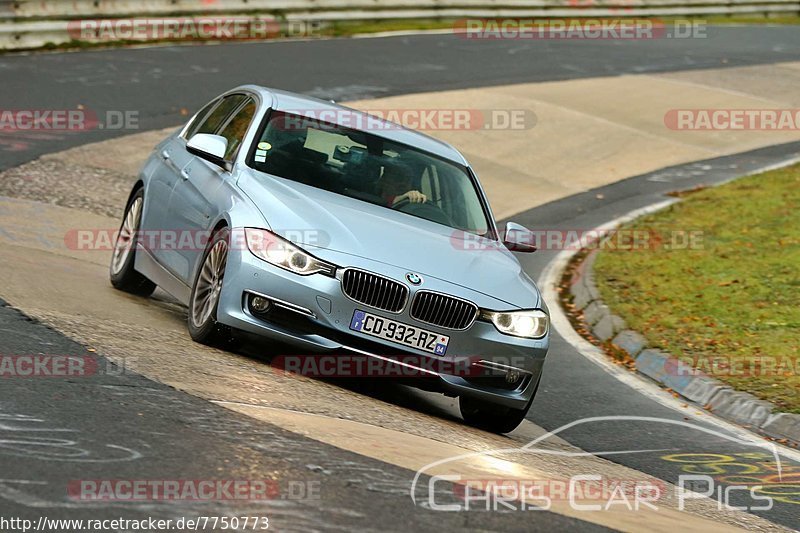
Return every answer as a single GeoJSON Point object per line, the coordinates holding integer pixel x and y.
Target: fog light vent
{"type": "Point", "coordinates": [259, 304]}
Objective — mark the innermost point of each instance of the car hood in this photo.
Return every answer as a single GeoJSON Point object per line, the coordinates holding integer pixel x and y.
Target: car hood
{"type": "Point", "coordinates": [319, 219]}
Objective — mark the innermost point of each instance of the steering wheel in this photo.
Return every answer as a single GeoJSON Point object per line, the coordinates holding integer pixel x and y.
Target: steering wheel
{"type": "Point", "coordinates": [403, 202]}
{"type": "Point", "coordinates": [426, 210]}
{"type": "Point", "coordinates": [406, 200]}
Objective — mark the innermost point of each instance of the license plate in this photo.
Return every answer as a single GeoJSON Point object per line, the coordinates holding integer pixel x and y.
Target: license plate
{"type": "Point", "coordinates": [399, 333]}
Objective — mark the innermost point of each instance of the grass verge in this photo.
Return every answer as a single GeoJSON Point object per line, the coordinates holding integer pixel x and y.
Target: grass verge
{"type": "Point", "coordinates": [728, 303]}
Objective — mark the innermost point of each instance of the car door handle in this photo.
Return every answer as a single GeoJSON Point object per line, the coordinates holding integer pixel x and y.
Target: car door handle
{"type": "Point", "coordinates": [185, 174]}
{"type": "Point", "coordinates": [167, 157]}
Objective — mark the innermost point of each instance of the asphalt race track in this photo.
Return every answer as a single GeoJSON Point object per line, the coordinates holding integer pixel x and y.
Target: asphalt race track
{"type": "Point", "coordinates": [160, 82]}
{"type": "Point", "coordinates": [180, 426]}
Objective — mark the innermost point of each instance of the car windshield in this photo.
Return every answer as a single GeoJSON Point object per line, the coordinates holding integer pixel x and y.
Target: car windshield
{"type": "Point", "coordinates": [369, 168]}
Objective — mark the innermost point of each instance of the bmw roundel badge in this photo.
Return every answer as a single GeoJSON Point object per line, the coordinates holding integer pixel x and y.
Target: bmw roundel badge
{"type": "Point", "coordinates": [414, 279]}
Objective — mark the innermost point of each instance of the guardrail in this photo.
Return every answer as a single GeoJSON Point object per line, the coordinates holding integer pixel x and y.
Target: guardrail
{"type": "Point", "coordinates": [26, 24]}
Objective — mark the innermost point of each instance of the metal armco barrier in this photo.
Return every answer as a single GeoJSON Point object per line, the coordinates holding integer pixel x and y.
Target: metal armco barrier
{"type": "Point", "coordinates": [26, 24]}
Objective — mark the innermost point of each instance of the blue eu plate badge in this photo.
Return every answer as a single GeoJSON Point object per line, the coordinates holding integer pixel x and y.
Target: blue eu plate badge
{"type": "Point", "coordinates": [358, 320]}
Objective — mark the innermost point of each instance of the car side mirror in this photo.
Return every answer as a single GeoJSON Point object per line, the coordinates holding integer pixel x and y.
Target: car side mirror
{"type": "Point", "coordinates": [209, 147]}
{"type": "Point", "coordinates": [518, 238]}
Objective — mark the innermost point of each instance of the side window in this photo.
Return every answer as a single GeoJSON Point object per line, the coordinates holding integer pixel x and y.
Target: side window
{"type": "Point", "coordinates": [214, 120]}
{"type": "Point", "coordinates": [197, 120]}
{"type": "Point", "coordinates": [236, 127]}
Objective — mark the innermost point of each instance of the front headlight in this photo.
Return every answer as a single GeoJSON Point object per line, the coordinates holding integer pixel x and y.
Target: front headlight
{"type": "Point", "coordinates": [531, 324]}
{"type": "Point", "coordinates": [279, 252]}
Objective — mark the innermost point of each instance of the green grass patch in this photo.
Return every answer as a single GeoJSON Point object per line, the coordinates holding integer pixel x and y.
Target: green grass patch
{"type": "Point", "coordinates": [729, 304]}
{"type": "Point", "coordinates": [345, 28]}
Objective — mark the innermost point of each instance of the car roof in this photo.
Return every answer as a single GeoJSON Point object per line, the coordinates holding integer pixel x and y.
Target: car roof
{"type": "Point", "coordinates": [308, 106]}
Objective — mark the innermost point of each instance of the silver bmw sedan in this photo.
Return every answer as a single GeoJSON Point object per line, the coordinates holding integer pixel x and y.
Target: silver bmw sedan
{"type": "Point", "coordinates": [344, 235]}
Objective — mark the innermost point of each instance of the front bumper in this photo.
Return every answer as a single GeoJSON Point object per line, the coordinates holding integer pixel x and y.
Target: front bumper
{"type": "Point", "coordinates": [313, 314]}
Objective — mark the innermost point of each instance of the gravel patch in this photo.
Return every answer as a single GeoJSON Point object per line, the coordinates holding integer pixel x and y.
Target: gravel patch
{"type": "Point", "coordinates": [100, 191]}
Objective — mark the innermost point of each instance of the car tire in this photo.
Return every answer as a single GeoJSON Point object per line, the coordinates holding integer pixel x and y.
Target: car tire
{"type": "Point", "coordinates": [492, 417]}
{"type": "Point", "coordinates": [204, 299]}
{"type": "Point", "coordinates": [121, 272]}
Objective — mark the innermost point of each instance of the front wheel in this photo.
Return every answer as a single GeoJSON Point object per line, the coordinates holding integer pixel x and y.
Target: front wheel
{"type": "Point", "coordinates": [121, 271]}
{"type": "Point", "coordinates": [491, 417]}
{"type": "Point", "coordinates": [204, 300]}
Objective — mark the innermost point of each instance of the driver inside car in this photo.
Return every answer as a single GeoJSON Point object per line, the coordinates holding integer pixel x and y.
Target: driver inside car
{"type": "Point", "coordinates": [396, 186]}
